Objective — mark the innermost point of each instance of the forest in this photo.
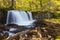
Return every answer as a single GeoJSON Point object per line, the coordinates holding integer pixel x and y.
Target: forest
{"type": "Point", "coordinates": [46, 12]}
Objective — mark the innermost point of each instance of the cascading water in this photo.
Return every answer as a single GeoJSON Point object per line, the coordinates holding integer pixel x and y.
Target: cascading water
{"type": "Point", "coordinates": [20, 18]}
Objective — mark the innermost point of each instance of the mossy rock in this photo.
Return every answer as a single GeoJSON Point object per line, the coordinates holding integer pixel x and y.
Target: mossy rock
{"type": "Point", "coordinates": [58, 37]}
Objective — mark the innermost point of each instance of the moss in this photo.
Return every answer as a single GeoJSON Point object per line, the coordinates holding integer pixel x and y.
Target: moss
{"type": "Point", "coordinates": [58, 37]}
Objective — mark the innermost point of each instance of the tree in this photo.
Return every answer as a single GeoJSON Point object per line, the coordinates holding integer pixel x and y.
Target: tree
{"type": "Point", "coordinates": [31, 5]}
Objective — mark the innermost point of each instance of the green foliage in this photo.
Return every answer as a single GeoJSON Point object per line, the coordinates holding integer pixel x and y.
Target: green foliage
{"type": "Point", "coordinates": [5, 3]}
{"type": "Point", "coordinates": [57, 14]}
{"type": "Point", "coordinates": [31, 5]}
{"type": "Point", "coordinates": [27, 5]}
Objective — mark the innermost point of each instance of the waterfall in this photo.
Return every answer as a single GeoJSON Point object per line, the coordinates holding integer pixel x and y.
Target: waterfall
{"type": "Point", "coordinates": [19, 18]}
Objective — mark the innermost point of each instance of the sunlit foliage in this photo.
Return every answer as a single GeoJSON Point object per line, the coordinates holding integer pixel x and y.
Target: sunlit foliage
{"type": "Point", "coordinates": [5, 3]}
{"type": "Point", "coordinates": [31, 5]}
